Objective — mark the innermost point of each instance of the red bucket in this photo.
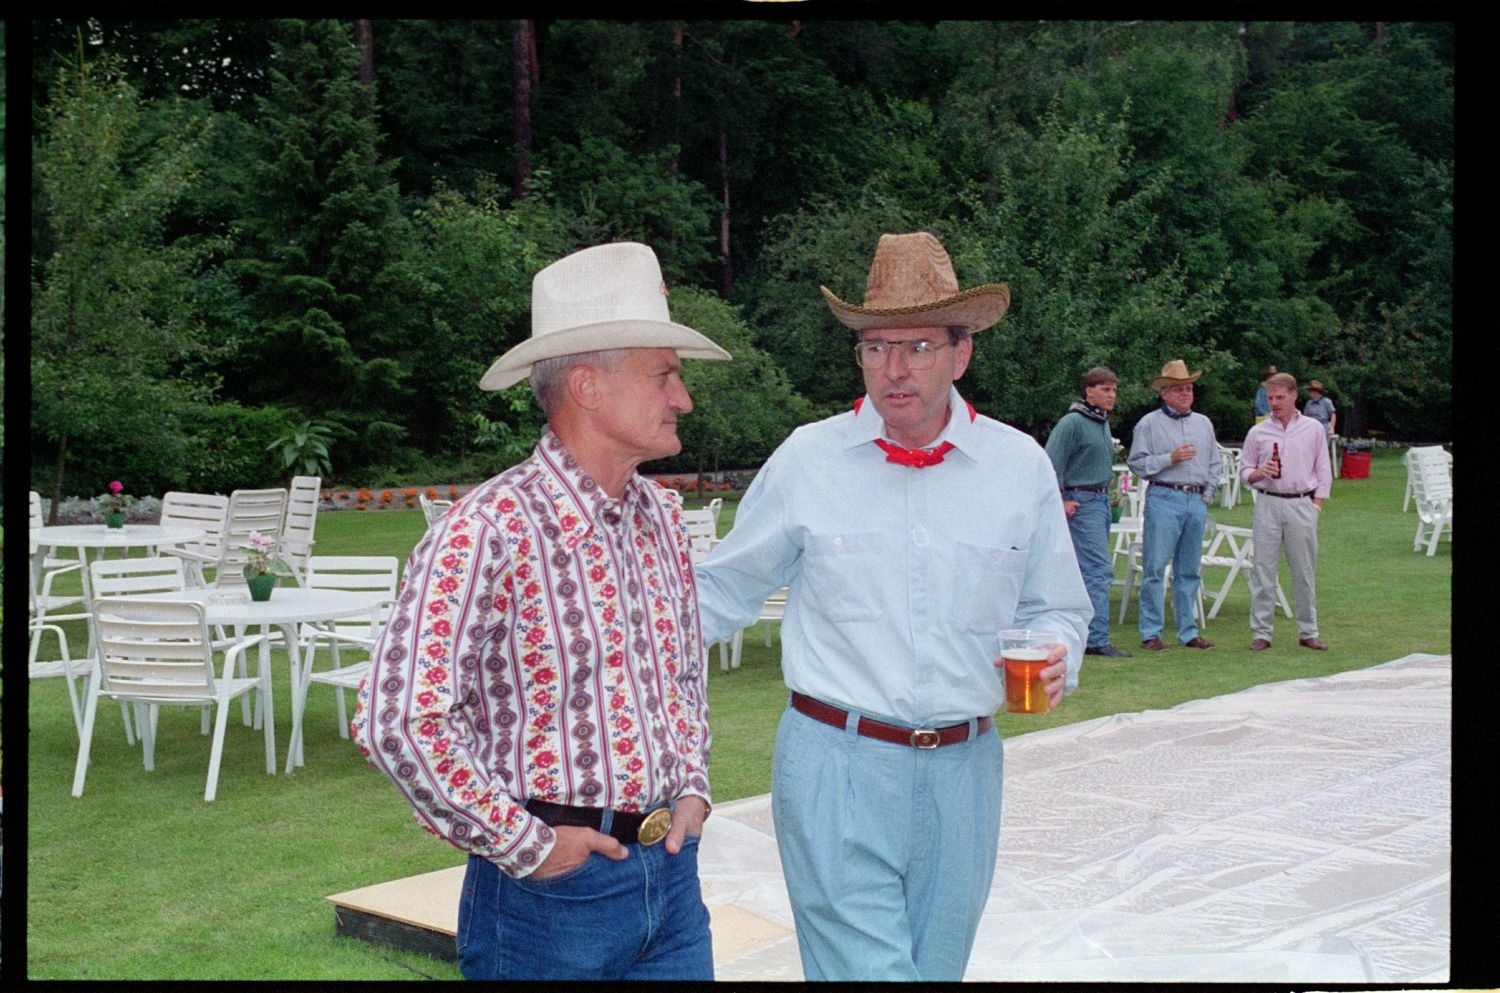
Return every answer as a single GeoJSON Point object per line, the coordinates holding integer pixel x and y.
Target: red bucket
{"type": "Point", "coordinates": [1356, 465]}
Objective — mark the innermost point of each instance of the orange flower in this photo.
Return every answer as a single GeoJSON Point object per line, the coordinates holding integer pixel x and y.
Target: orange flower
{"type": "Point", "coordinates": [385, 496]}
{"type": "Point", "coordinates": [432, 492]}
{"type": "Point", "coordinates": [453, 492]}
{"type": "Point", "coordinates": [410, 493]}
{"type": "Point", "coordinates": [364, 494]}
{"type": "Point", "coordinates": [360, 505]}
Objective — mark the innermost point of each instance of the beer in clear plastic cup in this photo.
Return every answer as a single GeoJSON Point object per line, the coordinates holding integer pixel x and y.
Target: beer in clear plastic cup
{"type": "Point", "coordinates": [1024, 655]}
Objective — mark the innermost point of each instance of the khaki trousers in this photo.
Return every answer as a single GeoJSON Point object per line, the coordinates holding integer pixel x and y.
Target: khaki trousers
{"type": "Point", "coordinates": [1289, 526]}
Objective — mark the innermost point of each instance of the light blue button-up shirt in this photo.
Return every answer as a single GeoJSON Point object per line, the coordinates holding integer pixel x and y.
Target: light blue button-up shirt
{"type": "Point", "coordinates": [900, 579]}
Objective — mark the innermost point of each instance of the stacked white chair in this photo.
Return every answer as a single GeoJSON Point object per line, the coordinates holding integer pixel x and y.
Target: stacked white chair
{"type": "Point", "coordinates": [249, 511]}
{"type": "Point", "coordinates": [1434, 497]}
{"type": "Point", "coordinates": [1233, 548]}
{"type": "Point", "coordinates": [206, 512]}
{"type": "Point", "coordinates": [433, 509]}
{"type": "Point", "coordinates": [300, 522]}
{"type": "Point", "coordinates": [158, 652]}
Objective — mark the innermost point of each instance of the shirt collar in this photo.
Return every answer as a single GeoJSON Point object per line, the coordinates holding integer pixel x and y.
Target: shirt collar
{"type": "Point", "coordinates": [580, 501]}
{"type": "Point", "coordinates": [866, 425]}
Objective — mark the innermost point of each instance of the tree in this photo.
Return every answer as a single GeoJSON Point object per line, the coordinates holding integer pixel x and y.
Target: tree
{"type": "Point", "coordinates": [112, 314]}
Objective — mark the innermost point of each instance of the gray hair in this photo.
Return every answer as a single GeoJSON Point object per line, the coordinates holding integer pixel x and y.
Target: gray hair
{"type": "Point", "coordinates": [547, 375]}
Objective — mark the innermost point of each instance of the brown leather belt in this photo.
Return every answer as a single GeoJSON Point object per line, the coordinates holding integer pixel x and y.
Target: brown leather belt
{"type": "Point", "coordinates": [1286, 496]}
{"type": "Point", "coordinates": [625, 827]}
{"type": "Point", "coordinates": [896, 735]}
{"type": "Point", "coordinates": [1089, 489]}
{"type": "Point", "coordinates": [1179, 486]}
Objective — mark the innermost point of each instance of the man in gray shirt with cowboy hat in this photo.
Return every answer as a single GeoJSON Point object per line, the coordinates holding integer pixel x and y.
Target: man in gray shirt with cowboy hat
{"type": "Point", "coordinates": [1176, 450]}
{"type": "Point", "coordinates": [538, 695]}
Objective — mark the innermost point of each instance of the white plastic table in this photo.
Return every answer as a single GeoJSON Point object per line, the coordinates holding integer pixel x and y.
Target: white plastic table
{"type": "Point", "coordinates": [288, 607]}
{"type": "Point", "coordinates": [98, 537]}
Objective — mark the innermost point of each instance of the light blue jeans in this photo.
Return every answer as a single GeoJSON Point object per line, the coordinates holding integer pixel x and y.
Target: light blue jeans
{"type": "Point", "coordinates": [888, 851]}
{"type": "Point", "coordinates": [1089, 527]}
{"type": "Point", "coordinates": [1172, 532]}
{"type": "Point", "coordinates": [642, 918]}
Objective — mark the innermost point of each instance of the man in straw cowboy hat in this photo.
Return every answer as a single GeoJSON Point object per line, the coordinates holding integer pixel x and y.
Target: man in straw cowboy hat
{"type": "Point", "coordinates": [1176, 450]}
{"type": "Point", "coordinates": [538, 694]}
{"type": "Point", "coordinates": [909, 532]}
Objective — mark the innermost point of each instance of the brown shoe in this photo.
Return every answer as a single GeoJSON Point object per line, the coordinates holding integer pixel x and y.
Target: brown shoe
{"type": "Point", "coordinates": [1153, 645]}
{"type": "Point", "coordinates": [1314, 644]}
{"type": "Point", "coordinates": [1260, 645]}
{"type": "Point", "coordinates": [1197, 642]}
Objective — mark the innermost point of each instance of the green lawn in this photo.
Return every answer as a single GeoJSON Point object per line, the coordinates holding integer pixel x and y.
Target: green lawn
{"type": "Point", "coordinates": [140, 879]}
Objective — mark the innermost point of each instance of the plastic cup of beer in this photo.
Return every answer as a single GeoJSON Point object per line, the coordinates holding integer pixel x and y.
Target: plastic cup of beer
{"type": "Point", "coordinates": [1023, 652]}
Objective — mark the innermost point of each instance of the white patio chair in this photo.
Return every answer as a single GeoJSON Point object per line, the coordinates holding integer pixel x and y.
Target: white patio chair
{"type": "Point", "coordinates": [1411, 459]}
{"type": "Point", "coordinates": [249, 510]}
{"type": "Point", "coordinates": [433, 509]}
{"type": "Point", "coordinates": [1434, 499]}
{"type": "Point", "coordinates": [1229, 476]}
{"type": "Point", "coordinates": [134, 577]}
{"type": "Point", "coordinates": [158, 652]}
{"type": "Point", "coordinates": [48, 606]}
{"type": "Point", "coordinates": [774, 609]}
{"type": "Point", "coordinates": [71, 670]}
{"type": "Point", "coordinates": [206, 511]}
{"type": "Point", "coordinates": [1135, 574]}
{"type": "Point", "coordinates": [716, 507]}
{"type": "Point", "coordinates": [363, 573]}
{"type": "Point", "coordinates": [300, 522]}
{"type": "Point", "coordinates": [703, 529]}
{"type": "Point", "coordinates": [1233, 548]}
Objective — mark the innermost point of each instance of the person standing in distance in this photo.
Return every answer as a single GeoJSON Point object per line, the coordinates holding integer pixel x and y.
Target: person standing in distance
{"type": "Point", "coordinates": [1285, 458]}
{"type": "Point", "coordinates": [1175, 449]}
{"type": "Point", "coordinates": [1082, 452]}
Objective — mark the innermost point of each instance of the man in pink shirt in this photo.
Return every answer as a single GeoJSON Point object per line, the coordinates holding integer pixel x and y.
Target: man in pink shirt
{"type": "Point", "coordinates": [1285, 459]}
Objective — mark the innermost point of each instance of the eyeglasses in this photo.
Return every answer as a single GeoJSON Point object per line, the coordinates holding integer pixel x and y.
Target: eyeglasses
{"type": "Point", "coordinates": [918, 353]}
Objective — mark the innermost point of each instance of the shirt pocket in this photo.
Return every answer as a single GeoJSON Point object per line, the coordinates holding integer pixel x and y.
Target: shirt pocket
{"type": "Point", "coordinates": [992, 578]}
{"type": "Point", "coordinates": [838, 570]}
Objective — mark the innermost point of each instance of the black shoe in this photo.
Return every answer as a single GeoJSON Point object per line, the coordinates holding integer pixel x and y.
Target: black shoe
{"type": "Point", "coordinates": [1154, 645]}
{"type": "Point", "coordinates": [1107, 649]}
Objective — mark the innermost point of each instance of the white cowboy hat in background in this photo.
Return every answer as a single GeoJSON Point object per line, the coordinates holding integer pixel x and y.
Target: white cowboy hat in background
{"type": "Point", "coordinates": [608, 296]}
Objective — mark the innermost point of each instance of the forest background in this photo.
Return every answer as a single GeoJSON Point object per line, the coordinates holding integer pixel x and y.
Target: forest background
{"type": "Point", "coordinates": [267, 246]}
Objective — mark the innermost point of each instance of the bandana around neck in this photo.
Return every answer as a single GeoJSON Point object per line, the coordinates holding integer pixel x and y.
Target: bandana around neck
{"type": "Point", "coordinates": [1174, 415]}
{"type": "Point", "coordinates": [1089, 410]}
{"type": "Point", "coordinates": [917, 458]}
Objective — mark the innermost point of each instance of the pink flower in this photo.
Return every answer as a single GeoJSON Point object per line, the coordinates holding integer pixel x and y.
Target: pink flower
{"type": "Point", "coordinates": [116, 487]}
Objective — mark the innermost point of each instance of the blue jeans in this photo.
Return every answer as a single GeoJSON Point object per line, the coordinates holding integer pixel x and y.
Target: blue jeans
{"type": "Point", "coordinates": [642, 918]}
{"type": "Point", "coordinates": [888, 851]}
{"type": "Point", "coordinates": [1089, 527]}
{"type": "Point", "coordinates": [1172, 532]}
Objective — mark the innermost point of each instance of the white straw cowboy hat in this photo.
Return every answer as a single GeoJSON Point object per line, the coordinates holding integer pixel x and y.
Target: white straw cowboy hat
{"type": "Point", "coordinates": [911, 284]}
{"type": "Point", "coordinates": [608, 296]}
{"type": "Point", "coordinates": [1174, 373]}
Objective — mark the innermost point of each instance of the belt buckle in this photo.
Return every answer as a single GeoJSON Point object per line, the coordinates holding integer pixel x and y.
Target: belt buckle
{"type": "Point", "coordinates": [655, 827]}
{"type": "Point", "coordinates": [925, 738]}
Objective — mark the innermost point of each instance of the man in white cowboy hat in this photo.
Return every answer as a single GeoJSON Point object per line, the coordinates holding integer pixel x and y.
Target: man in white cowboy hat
{"type": "Point", "coordinates": [1174, 447]}
{"type": "Point", "coordinates": [538, 694]}
{"type": "Point", "coordinates": [909, 531]}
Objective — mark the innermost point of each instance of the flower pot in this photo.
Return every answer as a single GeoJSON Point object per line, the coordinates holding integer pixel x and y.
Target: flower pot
{"type": "Point", "coordinates": [115, 520]}
{"type": "Point", "coordinates": [1114, 513]}
{"type": "Point", "coordinates": [261, 584]}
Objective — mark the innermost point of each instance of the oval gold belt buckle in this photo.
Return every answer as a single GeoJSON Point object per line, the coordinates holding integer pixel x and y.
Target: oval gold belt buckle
{"type": "Point", "coordinates": [655, 827]}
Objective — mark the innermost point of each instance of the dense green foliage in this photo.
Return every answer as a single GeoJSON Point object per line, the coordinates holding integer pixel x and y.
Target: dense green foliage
{"type": "Point", "coordinates": [227, 218]}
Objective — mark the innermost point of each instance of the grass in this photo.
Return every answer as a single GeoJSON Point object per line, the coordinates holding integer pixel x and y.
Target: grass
{"type": "Point", "coordinates": [140, 879]}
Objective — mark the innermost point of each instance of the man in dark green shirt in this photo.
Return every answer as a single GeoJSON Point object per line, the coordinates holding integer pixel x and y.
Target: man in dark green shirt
{"type": "Point", "coordinates": [1082, 453]}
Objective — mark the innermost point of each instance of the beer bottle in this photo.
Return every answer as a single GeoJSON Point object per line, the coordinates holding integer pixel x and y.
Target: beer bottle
{"type": "Point", "coordinates": [1276, 457]}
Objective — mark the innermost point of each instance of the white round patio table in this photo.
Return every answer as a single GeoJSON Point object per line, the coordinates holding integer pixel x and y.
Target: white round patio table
{"type": "Point", "coordinates": [231, 607]}
{"type": "Point", "coordinates": [98, 537]}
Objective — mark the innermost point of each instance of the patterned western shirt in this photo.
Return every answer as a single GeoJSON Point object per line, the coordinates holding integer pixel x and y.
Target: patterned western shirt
{"type": "Point", "coordinates": [545, 644]}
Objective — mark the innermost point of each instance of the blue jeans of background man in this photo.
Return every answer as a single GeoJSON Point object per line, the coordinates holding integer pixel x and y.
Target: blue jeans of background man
{"type": "Point", "coordinates": [1089, 527]}
{"type": "Point", "coordinates": [642, 918]}
{"type": "Point", "coordinates": [1172, 532]}
{"type": "Point", "coordinates": [888, 851]}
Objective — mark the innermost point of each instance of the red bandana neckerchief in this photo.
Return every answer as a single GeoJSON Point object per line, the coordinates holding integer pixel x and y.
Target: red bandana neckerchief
{"type": "Point", "coordinates": [917, 458]}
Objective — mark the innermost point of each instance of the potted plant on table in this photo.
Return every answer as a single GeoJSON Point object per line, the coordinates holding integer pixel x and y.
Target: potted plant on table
{"type": "Point", "coordinates": [263, 567]}
{"type": "Point", "coordinates": [114, 504]}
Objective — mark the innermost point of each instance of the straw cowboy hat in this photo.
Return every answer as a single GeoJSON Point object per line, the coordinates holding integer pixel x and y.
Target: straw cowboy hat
{"type": "Point", "coordinates": [1174, 373]}
{"type": "Point", "coordinates": [1316, 386]}
{"type": "Point", "coordinates": [911, 284]}
{"type": "Point", "coordinates": [608, 296]}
